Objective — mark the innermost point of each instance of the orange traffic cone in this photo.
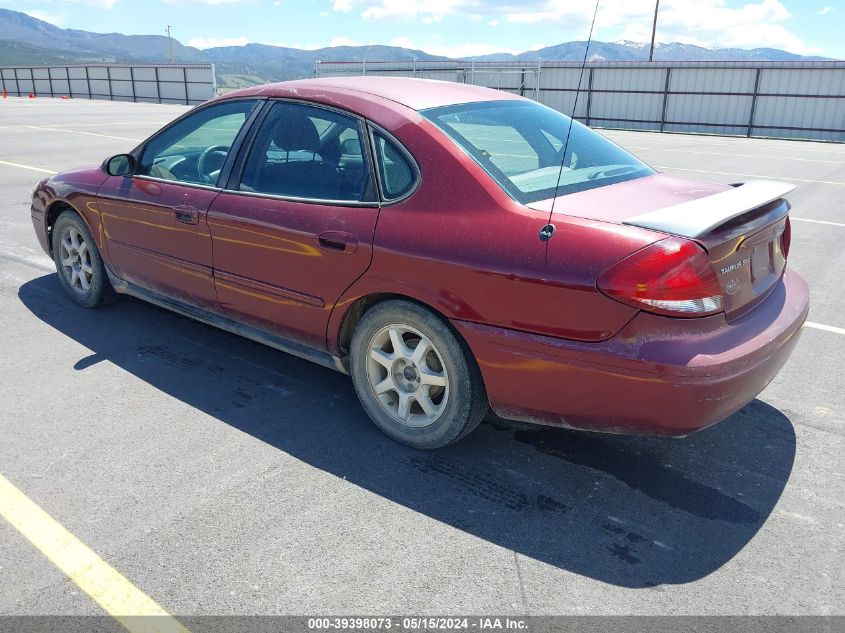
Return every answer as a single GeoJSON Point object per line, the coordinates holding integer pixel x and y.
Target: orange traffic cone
{"type": "Point", "coordinates": [31, 96]}
{"type": "Point", "coordinates": [4, 94]}
{"type": "Point", "coordinates": [65, 97]}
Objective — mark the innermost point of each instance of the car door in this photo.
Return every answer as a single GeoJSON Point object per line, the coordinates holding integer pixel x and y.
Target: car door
{"type": "Point", "coordinates": [155, 220]}
{"type": "Point", "coordinates": [295, 226]}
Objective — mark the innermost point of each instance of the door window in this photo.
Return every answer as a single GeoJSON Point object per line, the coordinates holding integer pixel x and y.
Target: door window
{"type": "Point", "coordinates": [303, 151]}
{"type": "Point", "coordinates": [194, 150]}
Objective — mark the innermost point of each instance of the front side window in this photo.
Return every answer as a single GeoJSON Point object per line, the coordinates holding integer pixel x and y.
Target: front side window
{"type": "Point", "coordinates": [303, 151]}
{"type": "Point", "coordinates": [396, 175]}
{"type": "Point", "coordinates": [194, 149]}
{"type": "Point", "coordinates": [521, 143]}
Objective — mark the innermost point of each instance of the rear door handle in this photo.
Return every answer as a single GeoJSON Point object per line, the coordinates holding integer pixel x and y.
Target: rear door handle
{"type": "Point", "coordinates": [186, 214]}
{"type": "Point", "coordinates": [338, 241]}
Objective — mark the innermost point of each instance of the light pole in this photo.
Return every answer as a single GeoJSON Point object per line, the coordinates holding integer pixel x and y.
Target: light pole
{"type": "Point", "coordinates": [653, 31]}
{"type": "Point", "coordinates": [169, 45]}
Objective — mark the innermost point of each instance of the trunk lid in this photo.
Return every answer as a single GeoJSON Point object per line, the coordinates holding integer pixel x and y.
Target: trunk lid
{"type": "Point", "coordinates": [748, 254]}
{"type": "Point", "coordinates": [744, 228]}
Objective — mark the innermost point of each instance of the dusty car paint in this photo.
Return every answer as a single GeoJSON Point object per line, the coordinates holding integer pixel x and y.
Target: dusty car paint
{"type": "Point", "coordinates": [551, 347]}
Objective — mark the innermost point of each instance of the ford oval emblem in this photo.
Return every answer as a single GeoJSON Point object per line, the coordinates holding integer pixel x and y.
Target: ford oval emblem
{"type": "Point", "coordinates": [732, 286]}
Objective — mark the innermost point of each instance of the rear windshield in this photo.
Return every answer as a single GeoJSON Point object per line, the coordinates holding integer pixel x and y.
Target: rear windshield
{"type": "Point", "coordinates": [520, 144]}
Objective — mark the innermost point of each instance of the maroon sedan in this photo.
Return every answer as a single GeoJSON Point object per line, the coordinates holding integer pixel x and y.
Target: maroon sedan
{"type": "Point", "coordinates": [453, 248]}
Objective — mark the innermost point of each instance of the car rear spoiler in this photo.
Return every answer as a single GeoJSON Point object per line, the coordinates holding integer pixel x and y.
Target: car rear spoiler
{"type": "Point", "coordinates": [698, 217]}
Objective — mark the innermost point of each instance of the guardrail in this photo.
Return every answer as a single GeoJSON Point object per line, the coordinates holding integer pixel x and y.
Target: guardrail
{"type": "Point", "coordinates": [167, 83]}
{"type": "Point", "coordinates": [801, 100]}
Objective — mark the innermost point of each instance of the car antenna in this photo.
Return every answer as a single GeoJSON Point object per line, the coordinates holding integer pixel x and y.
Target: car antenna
{"type": "Point", "coordinates": [547, 231]}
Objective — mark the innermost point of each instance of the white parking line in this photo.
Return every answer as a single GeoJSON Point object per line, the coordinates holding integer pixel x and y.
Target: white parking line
{"type": "Point", "coordinates": [826, 328]}
{"type": "Point", "coordinates": [54, 129]}
{"type": "Point", "coordinates": [51, 125]}
{"type": "Point", "coordinates": [693, 151]}
{"type": "Point", "coordinates": [710, 141]}
{"type": "Point", "coordinates": [764, 176]}
{"type": "Point", "coordinates": [817, 221]}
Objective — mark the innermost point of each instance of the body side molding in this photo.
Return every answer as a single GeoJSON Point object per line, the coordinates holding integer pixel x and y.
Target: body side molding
{"type": "Point", "coordinates": [224, 323]}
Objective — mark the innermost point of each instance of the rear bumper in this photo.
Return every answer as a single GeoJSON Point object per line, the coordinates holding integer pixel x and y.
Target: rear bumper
{"type": "Point", "coordinates": [657, 376]}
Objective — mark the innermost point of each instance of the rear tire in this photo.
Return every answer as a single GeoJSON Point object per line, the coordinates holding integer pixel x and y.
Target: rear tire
{"type": "Point", "coordinates": [414, 377]}
{"type": "Point", "coordinates": [81, 270]}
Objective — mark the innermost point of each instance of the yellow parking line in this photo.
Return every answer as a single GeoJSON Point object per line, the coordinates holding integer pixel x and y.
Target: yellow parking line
{"type": "Point", "coordinates": [45, 171]}
{"type": "Point", "coordinates": [108, 587]}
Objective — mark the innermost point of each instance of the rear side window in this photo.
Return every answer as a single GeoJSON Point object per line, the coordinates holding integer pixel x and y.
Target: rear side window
{"type": "Point", "coordinates": [303, 151]}
{"type": "Point", "coordinates": [396, 173]}
{"type": "Point", "coordinates": [516, 155]}
{"type": "Point", "coordinates": [520, 144]}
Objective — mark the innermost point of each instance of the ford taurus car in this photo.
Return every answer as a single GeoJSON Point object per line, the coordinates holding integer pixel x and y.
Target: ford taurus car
{"type": "Point", "coordinates": [454, 248]}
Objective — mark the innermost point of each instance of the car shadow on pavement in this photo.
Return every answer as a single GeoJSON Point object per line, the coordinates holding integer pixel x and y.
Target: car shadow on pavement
{"type": "Point", "coordinates": [630, 511]}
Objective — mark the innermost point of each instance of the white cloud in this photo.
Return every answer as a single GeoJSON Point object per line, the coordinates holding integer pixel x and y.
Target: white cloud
{"type": "Point", "coordinates": [214, 42]}
{"type": "Point", "coordinates": [403, 42]}
{"type": "Point", "coordinates": [493, 23]}
{"type": "Point", "coordinates": [44, 16]}
{"type": "Point", "coordinates": [470, 49]}
{"type": "Point", "coordinates": [343, 41]}
{"type": "Point", "coordinates": [709, 23]}
{"type": "Point", "coordinates": [552, 11]}
{"type": "Point", "coordinates": [427, 11]}
{"type": "Point", "coordinates": [459, 51]}
{"type": "Point", "coordinates": [211, 2]}
{"type": "Point", "coordinates": [712, 23]}
{"type": "Point", "coordinates": [100, 4]}
{"type": "Point", "coordinates": [431, 10]}
{"type": "Point", "coordinates": [826, 10]}
{"type": "Point", "coordinates": [299, 45]}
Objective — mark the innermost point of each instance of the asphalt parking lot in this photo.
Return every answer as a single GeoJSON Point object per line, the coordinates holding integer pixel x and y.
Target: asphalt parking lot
{"type": "Point", "coordinates": [223, 477]}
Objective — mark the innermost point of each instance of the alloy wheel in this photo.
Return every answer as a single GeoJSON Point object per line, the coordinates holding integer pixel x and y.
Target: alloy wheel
{"type": "Point", "coordinates": [407, 375]}
{"type": "Point", "coordinates": [75, 259]}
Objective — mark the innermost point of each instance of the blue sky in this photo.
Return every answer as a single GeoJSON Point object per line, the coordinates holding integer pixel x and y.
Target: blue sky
{"type": "Point", "coordinates": [459, 27]}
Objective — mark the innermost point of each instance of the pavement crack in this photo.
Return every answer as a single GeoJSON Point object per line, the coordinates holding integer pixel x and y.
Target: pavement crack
{"type": "Point", "coordinates": [49, 466]}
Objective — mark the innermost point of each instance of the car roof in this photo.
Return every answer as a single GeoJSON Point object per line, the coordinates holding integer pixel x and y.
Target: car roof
{"type": "Point", "coordinates": [417, 94]}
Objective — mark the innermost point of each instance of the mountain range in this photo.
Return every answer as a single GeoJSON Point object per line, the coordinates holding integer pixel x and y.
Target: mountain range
{"type": "Point", "coordinates": [25, 40]}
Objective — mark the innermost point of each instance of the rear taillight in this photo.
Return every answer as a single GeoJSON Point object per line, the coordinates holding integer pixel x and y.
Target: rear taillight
{"type": "Point", "coordinates": [673, 276]}
{"type": "Point", "coordinates": [786, 238]}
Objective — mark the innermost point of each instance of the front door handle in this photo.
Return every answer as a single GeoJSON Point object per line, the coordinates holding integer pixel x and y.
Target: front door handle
{"type": "Point", "coordinates": [338, 241]}
{"type": "Point", "coordinates": [186, 214]}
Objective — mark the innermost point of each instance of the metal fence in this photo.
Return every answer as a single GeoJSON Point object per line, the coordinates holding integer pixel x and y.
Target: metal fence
{"type": "Point", "coordinates": [801, 100]}
{"type": "Point", "coordinates": [168, 83]}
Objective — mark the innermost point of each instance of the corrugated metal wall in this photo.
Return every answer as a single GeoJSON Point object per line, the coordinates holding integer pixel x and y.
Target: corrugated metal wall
{"type": "Point", "coordinates": [804, 100]}
{"type": "Point", "coordinates": [170, 83]}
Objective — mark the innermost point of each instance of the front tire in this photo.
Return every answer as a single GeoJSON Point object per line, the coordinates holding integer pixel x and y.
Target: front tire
{"type": "Point", "coordinates": [78, 262]}
{"type": "Point", "coordinates": [414, 377]}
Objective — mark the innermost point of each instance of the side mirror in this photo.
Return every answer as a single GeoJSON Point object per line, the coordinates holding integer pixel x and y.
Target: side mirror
{"type": "Point", "coordinates": [120, 165]}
